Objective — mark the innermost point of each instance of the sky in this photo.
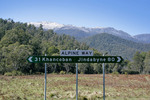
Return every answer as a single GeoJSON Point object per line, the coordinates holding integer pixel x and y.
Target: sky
{"type": "Point", "coordinates": [131, 16]}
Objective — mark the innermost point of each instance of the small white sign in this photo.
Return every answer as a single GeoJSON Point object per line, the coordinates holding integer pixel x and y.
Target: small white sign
{"type": "Point", "coordinates": [76, 53]}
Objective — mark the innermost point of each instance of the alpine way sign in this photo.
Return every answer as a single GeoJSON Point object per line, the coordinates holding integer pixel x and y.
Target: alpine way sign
{"type": "Point", "coordinates": [77, 59]}
{"type": "Point", "coordinates": [76, 53]}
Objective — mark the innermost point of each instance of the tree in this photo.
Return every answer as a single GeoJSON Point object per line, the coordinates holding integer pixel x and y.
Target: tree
{"type": "Point", "coordinates": [97, 67]}
{"type": "Point", "coordinates": [36, 43]}
{"type": "Point", "coordinates": [15, 35]}
{"type": "Point", "coordinates": [52, 50]}
{"type": "Point", "coordinates": [69, 67]}
{"type": "Point", "coordinates": [147, 63]}
{"type": "Point", "coordinates": [85, 68]}
{"type": "Point", "coordinates": [138, 62]}
{"type": "Point", "coordinates": [2, 33]}
{"type": "Point", "coordinates": [14, 57]}
{"type": "Point", "coordinates": [117, 68]}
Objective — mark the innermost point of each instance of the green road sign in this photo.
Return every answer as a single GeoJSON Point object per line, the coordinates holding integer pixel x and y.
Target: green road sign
{"type": "Point", "coordinates": [77, 59]}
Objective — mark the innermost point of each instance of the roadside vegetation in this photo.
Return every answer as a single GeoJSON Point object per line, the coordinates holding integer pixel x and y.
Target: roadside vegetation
{"type": "Point", "coordinates": [63, 87]}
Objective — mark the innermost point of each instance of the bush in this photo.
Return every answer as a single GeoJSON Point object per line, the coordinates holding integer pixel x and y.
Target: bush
{"type": "Point", "coordinates": [116, 73]}
{"type": "Point", "coordinates": [51, 95]}
{"type": "Point", "coordinates": [14, 73]}
{"type": "Point", "coordinates": [83, 98]}
{"type": "Point", "coordinates": [126, 73]}
{"type": "Point", "coordinates": [8, 74]}
{"type": "Point", "coordinates": [130, 72]}
{"type": "Point", "coordinates": [39, 73]}
{"type": "Point", "coordinates": [62, 72]}
{"type": "Point", "coordinates": [70, 73]}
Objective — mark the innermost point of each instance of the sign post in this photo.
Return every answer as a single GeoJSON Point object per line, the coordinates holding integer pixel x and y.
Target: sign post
{"type": "Point", "coordinates": [76, 81]}
{"type": "Point", "coordinates": [45, 81]}
{"type": "Point", "coordinates": [75, 56]}
{"type": "Point", "coordinates": [104, 79]}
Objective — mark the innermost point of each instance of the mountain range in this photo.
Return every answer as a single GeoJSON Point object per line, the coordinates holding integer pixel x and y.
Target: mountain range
{"type": "Point", "coordinates": [82, 32]}
{"type": "Point", "coordinates": [115, 42]}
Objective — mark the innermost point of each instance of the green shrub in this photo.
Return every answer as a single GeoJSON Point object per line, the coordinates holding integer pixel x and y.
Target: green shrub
{"type": "Point", "coordinates": [70, 73]}
{"type": "Point", "coordinates": [14, 73]}
{"type": "Point", "coordinates": [30, 71]}
{"type": "Point", "coordinates": [116, 73]}
{"type": "Point", "coordinates": [54, 73]}
{"type": "Point", "coordinates": [17, 73]}
{"type": "Point", "coordinates": [39, 73]}
{"type": "Point", "coordinates": [126, 73]}
{"type": "Point", "coordinates": [8, 74]}
{"type": "Point", "coordinates": [62, 72]}
{"type": "Point", "coordinates": [51, 95]}
{"type": "Point", "coordinates": [130, 72]}
{"type": "Point", "coordinates": [83, 98]}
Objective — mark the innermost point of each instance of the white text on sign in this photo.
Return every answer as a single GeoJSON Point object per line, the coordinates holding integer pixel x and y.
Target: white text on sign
{"type": "Point", "coordinates": [76, 53]}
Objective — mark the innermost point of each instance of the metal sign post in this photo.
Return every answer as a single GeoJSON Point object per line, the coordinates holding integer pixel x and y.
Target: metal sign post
{"type": "Point", "coordinates": [103, 81]}
{"type": "Point", "coordinates": [104, 77]}
{"type": "Point", "coordinates": [45, 81]}
{"type": "Point", "coordinates": [76, 81]}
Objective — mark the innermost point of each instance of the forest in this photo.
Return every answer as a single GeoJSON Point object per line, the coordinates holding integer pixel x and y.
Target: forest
{"type": "Point", "coordinates": [19, 40]}
{"type": "Point", "coordinates": [115, 45]}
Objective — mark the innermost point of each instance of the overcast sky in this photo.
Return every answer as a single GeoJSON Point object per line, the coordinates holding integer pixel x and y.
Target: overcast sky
{"type": "Point", "coordinates": [131, 16]}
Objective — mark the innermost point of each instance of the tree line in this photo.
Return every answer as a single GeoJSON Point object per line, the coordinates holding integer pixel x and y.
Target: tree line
{"type": "Point", "coordinates": [20, 40]}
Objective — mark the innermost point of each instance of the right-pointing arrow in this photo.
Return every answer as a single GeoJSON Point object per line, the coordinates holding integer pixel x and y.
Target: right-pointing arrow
{"type": "Point", "coordinates": [119, 59]}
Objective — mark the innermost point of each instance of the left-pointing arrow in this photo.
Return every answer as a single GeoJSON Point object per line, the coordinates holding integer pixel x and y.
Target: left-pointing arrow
{"type": "Point", "coordinates": [30, 59]}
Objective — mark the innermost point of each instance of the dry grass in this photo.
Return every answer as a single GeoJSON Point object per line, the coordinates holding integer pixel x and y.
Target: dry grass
{"type": "Point", "coordinates": [62, 87]}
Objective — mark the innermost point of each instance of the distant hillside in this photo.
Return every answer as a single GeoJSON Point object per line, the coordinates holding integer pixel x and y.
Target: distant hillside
{"type": "Point", "coordinates": [76, 32]}
{"type": "Point", "coordinates": [115, 45]}
{"type": "Point", "coordinates": [83, 32]}
{"type": "Point", "coordinates": [145, 38]}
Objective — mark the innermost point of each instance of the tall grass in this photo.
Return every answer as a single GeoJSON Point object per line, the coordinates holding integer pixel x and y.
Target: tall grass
{"type": "Point", "coordinates": [63, 87]}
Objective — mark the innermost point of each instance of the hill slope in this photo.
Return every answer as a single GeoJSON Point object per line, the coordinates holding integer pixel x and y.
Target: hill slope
{"type": "Point", "coordinates": [82, 32]}
{"type": "Point", "coordinates": [145, 38]}
{"type": "Point", "coordinates": [115, 45]}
